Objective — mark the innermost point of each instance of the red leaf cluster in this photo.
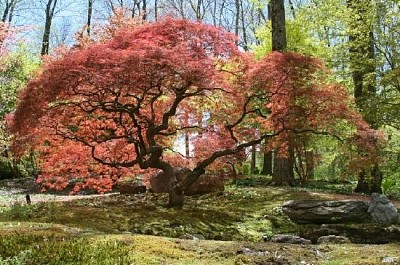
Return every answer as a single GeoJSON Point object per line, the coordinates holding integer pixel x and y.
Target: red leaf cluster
{"type": "Point", "coordinates": [116, 107]}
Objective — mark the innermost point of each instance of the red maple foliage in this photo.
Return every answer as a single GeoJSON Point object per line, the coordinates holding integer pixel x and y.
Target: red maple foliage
{"type": "Point", "coordinates": [116, 107]}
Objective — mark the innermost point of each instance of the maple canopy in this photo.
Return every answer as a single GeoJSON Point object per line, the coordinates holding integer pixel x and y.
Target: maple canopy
{"type": "Point", "coordinates": [118, 107]}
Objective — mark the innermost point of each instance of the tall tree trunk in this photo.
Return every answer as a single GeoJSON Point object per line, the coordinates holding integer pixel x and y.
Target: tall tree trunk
{"type": "Point", "coordinates": [155, 10]}
{"type": "Point", "coordinates": [267, 161]}
{"type": "Point", "coordinates": [362, 57]}
{"type": "Point", "coordinates": [89, 16]}
{"type": "Point", "coordinates": [310, 163]}
{"type": "Point", "coordinates": [175, 196]}
{"type": "Point", "coordinates": [278, 24]}
{"type": "Point", "coordinates": [237, 17]}
{"type": "Point", "coordinates": [11, 13]}
{"type": "Point", "coordinates": [198, 9]}
{"type": "Point", "coordinates": [292, 9]}
{"type": "Point", "coordinates": [244, 32]}
{"type": "Point", "coordinates": [8, 11]}
{"type": "Point", "coordinates": [50, 10]}
{"type": "Point", "coordinates": [283, 173]}
{"type": "Point", "coordinates": [214, 14]}
{"type": "Point", "coordinates": [12, 165]}
{"type": "Point", "coordinates": [144, 10]}
{"type": "Point", "coordinates": [253, 168]}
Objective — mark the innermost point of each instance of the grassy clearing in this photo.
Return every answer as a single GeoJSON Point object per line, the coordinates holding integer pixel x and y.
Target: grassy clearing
{"type": "Point", "coordinates": [244, 214]}
{"type": "Point", "coordinates": [140, 230]}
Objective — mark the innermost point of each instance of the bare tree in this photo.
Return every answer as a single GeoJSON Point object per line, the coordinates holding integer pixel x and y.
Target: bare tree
{"type": "Point", "coordinates": [50, 11]}
{"type": "Point", "coordinates": [62, 32]}
{"type": "Point", "coordinates": [132, 7]}
{"type": "Point", "coordinates": [8, 8]}
{"type": "Point", "coordinates": [89, 16]}
{"type": "Point", "coordinates": [155, 10]}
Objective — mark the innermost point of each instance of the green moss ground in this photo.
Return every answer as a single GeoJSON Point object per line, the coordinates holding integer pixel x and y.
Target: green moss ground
{"type": "Point", "coordinates": [140, 230]}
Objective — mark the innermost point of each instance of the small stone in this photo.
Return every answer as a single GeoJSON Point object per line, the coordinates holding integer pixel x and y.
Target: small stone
{"type": "Point", "coordinates": [192, 237]}
{"type": "Point", "coordinates": [290, 239]}
{"type": "Point", "coordinates": [266, 238]}
{"type": "Point", "coordinates": [332, 239]}
{"type": "Point", "coordinates": [252, 252]}
{"type": "Point", "coordinates": [389, 259]}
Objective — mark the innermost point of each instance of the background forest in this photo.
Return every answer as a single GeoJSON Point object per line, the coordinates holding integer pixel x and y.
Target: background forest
{"type": "Point", "coordinates": [357, 40]}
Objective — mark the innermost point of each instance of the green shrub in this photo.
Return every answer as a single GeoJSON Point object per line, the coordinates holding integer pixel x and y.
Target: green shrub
{"type": "Point", "coordinates": [19, 211]}
{"type": "Point", "coordinates": [252, 181]}
{"type": "Point", "coordinates": [5, 170]}
{"type": "Point", "coordinates": [391, 185]}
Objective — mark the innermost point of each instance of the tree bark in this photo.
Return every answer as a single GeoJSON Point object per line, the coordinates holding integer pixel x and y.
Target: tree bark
{"type": "Point", "coordinates": [237, 17]}
{"type": "Point", "coordinates": [267, 161]}
{"type": "Point", "coordinates": [278, 24]}
{"type": "Point", "coordinates": [283, 173]}
{"type": "Point", "coordinates": [89, 16]}
{"type": "Point", "coordinates": [176, 197]}
{"type": "Point", "coordinates": [144, 10]}
{"type": "Point", "coordinates": [155, 10]}
{"type": "Point", "coordinates": [310, 164]}
{"type": "Point", "coordinates": [369, 185]}
{"type": "Point", "coordinates": [198, 9]}
{"type": "Point", "coordinates": [253, 168]}
{"type": "Point", "coordinates": [362, 57]}
{"type": "Point", "coordinates": [244, 32]}
{"type": "Point", "coordinates": [50, 10]}
{"type": "Point", "coordinates": [283, 167]}
{"type": "Point", "coordinates": [8, 11]}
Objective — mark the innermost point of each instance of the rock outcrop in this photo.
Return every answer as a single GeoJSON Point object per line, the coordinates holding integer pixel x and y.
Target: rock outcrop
{"type": "Point", "coordinates": [382, 210]}
{"type": "Point", "coordinates": [359, 221]}
{"type": "Point", "coordinates": [326, 212]}
{"type": "Point", "coordinates": [356, 233]}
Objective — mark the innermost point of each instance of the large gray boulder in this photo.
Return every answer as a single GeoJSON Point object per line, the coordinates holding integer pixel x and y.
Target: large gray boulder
{"type": "Point", "coordinates": [326, 212]}
{"type": "Point", "coordinates": [382, 210]}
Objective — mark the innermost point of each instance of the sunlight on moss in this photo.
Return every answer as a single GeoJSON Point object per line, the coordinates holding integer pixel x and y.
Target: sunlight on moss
{"type": "Point", "coordinates": [139, 229]}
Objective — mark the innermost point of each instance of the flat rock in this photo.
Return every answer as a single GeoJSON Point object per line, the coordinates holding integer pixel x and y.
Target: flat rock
{"type": "Point", "coordinates": [332, 239]}
{"type": "Point", "coordinates": [326, 212]}
{"type": "Point", "coordinates": [290, 239]}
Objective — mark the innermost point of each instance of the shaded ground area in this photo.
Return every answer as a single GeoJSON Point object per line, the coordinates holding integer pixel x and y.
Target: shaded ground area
{"type": "Point", "coordinates": [15, 190]}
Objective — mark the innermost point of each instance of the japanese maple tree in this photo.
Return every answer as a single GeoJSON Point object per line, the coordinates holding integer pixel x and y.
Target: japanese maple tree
{"type": "Point", "coordinates": [116, 107]}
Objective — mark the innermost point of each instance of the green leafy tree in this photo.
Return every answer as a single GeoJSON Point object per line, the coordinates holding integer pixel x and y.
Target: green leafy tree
{"type": "Point", "coordinates": [16, 68]}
